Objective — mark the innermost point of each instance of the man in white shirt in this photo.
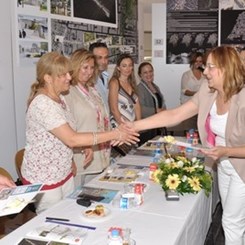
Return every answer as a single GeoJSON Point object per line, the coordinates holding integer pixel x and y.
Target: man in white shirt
{"type": "Point", "coordinates": [101, 52]}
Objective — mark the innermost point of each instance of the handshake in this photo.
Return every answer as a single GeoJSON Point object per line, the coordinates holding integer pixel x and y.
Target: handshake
{"type": "Point", "coordinates": [126, 134]}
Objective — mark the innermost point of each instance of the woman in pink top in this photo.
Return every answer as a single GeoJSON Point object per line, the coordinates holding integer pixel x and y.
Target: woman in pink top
{"type": "Point", "coordinates": [220, 105]}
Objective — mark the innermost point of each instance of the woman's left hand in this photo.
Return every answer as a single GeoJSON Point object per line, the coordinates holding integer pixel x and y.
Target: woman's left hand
{"type": "Point", "coordinates": [73, 168]}
{"type": "Point", "coordinates": [89, 155]}
{"type": "Point", "coordinates": [215, 152]}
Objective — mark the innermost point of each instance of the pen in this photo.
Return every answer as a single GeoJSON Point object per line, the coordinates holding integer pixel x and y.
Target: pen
{"type": "Point", "coordinates": [58, 219]}
{"type": "Point", "coordinates": [71, 224]}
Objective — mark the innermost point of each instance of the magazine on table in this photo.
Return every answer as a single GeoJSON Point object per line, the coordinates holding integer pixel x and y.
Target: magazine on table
{"type": "Point", "coordinates": [95, 194]}
{"type": "Point", "coordinates": [13, 200]}
{"type": "Point", "coordinates": [30, 241]}
{"type": "Point", "coordinates": [49, 233]}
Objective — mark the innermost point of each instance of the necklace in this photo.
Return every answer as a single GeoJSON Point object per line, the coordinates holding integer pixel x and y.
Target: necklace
{"type": "Point", "coordinates": [56, 98]}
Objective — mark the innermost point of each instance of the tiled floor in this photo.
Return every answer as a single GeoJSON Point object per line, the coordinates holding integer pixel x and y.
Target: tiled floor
{"type": "Point", "coordinates": [215, 235]}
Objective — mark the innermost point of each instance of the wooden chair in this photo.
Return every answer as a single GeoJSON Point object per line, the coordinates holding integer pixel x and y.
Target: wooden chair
{"type": "Point", "coordinates": [11, 222]}
{"type": "Point", "coordinates": [18, 162]}
{"type": "Point", "coordinates": [5, 173]}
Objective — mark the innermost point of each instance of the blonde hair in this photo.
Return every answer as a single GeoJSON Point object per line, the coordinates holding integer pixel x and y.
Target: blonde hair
{"type": "Point", "coordinates": [228, 60]}
{"type": "Point", "coordinates": [116, 73]}
{"type": "Point", "coordinates": [78, 58]}
{"type": "Point", "coordinates": [53, 64]}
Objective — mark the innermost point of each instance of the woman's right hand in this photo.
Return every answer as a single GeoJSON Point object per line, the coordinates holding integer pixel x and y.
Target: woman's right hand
{"type": "Point", "coordinates": [125, 134]}
{"type": "Point", "coordinates": [6, 182]}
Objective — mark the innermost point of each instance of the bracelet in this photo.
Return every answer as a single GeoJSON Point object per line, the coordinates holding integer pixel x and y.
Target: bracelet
{"type": "Point", "coordinates": [95, 138]}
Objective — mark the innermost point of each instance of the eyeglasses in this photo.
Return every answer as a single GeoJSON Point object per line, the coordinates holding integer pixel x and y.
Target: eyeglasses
{"type": "Point", "coordinates": [208, 66]}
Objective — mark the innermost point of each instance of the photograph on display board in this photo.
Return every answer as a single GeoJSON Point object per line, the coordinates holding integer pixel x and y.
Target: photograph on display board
{"type": "Point", "coordinates": [60, 7]}
{"type": "Point", "coordinates": [32, 5]}
{"type": "Point", "coordinates": [232, 27]}
{"type": "Point", "coordinates": [102, 11]}
{"type": "Point", "coordinates": [231, 4]}
{"type": "Point", "coordinates": [31, 51]}
{"type": "Point", "coordinates": [32, 27]}
{"type": "Point", "coordinates": [199, 33]}
{"type": "Point", "coordinates": [191, 5]}
{"type": "Point", "coordinates": [67, 36]}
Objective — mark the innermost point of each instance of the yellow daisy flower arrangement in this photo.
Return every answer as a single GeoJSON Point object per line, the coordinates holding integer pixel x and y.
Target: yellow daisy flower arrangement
{"type": "Point", "coordinates": [183, 175]}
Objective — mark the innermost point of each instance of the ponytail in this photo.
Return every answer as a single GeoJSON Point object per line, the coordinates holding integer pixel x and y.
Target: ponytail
{"type": "Point", "coordinates": [34, 88]}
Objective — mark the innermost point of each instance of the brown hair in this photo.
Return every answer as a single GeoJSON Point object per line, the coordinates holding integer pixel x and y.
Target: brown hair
{"type": "Point", "coordinates": [116, 73]}
{"type": "Point", "coordinates": [194, 57]}
{"type": "Point", "coordinates": [79, 57]}
{"type": "Point", "coordinates": [53, 64]}
{"type": "Point", "coordinates": [228, 60]}
{"type": "Point", "coordinates": [143, 64]}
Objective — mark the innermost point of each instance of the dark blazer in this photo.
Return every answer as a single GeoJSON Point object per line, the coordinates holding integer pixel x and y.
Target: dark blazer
{"type": "Point", "coordinates": [147, 100]}
{"type": "Point", "coordinates": [148, 104]}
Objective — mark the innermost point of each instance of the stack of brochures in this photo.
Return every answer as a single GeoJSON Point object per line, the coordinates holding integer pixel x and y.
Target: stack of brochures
{"type": "Point", "coordinates": [55, 234]}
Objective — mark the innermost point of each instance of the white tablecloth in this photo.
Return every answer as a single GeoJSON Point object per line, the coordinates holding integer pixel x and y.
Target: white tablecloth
{"type": "Point", "coordinates": [157, 221]}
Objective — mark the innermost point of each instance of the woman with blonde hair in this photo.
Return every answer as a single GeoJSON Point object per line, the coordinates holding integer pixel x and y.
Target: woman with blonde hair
{"type": "Point", "coordinates": [89, 112]}
{"type": "Point", "coordinates": [220, 105]}
{"type": "Point", "coordinates": [51, 132]}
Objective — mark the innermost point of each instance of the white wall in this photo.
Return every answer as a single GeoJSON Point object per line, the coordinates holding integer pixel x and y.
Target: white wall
{"type": "Point", "coordinates": [147, 22]}
{"type": "Point", "coordinates": [167, 76]}
{"type": "Point", "coordinates": [24, 76]}
{"type": "Point", "coordinates": [8, 144]}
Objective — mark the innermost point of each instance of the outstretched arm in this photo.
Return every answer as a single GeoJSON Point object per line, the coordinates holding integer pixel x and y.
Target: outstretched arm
{"type": "Point", "coordinates": [73, 139]}
{"type": "Point", "coordinates": [167, 118]}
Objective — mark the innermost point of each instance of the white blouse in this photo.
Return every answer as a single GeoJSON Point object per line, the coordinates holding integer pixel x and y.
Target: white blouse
{"type": "Point", "coordinates": [47, 159]}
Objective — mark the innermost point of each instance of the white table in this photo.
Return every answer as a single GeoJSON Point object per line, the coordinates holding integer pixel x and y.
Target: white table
{"type": "Point", "coordinates": [157, 221]}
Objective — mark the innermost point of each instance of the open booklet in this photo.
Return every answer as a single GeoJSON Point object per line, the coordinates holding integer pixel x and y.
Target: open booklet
{"type": "Point", "coordinates": [55, 234]}
{"type": "Point", "coordinates": [13, 200]}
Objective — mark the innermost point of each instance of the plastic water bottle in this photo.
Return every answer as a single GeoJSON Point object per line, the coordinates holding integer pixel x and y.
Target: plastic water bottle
{"type": "Point", "coordinates": [157, 154]}
{"type": "Point", "coordinates": [138, 194]}
{"type": "Point", "coordinates": [114, 237]}
{"type": "Point", "coordinates": [189, 138]}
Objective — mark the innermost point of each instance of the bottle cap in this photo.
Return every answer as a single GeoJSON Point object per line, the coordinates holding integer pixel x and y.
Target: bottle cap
{"type": "Point", "coordinates": [115, 232]}
{"type": "Point", "coordinates": [158, 151]}
{"type": "Point", "coordinates": [153, 166]}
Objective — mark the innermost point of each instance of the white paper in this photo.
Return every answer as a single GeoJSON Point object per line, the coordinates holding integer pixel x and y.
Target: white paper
{"type": "Point", "coordinates": [13, 200]}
